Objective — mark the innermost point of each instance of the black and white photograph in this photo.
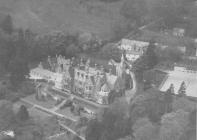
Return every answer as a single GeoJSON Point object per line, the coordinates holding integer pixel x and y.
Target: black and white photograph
{"type": "Point", "coordinates": [98, 69]}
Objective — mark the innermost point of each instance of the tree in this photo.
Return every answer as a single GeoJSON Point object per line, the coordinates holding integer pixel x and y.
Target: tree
{"type": "Point", "coordinates": [150, 54]}
{"type": "Point", "coordinates": [146, 62]}
{"type": "Point", "coordinates": [168, 98]}
{"type": "Point", "coordinates": [23, 113]}
{"type": "Point", "coordinates": [144, 129]}
{"type": "Point", "coordinates": [120, 107]}
{"type": "Point", "coordinates": [19, 70]}
{"type": "Point", "coordinates": [19, 64]}
{"type": "Point", "coordinates": [113, 125]}
{"type": "Point", "coordinates": [29, 131]}
{"type": "Point", "coordinates": [173, 125]}
{"type": "Point", "coordinates": [3, 92]}
{"type": "Point", "coordinates": [169, 54]}
{"type": "Point", "coordinates": [121, 28]}
{"type": "Point", "coordinates": [150, 104]}
{"type": "Point", "coordinates": [7, 117]}
{"type": "Point", "coordinates": [184, 104]}
{"type": "Point", "coordinates": [170, 10]}
{"type": "Point", "coordinates": [72, 50]}
{"type": "Point", "coordinates": [182, 89]}
{"type": "Point", "coordinates": [135, 10]}
{"type": "Point", "coordinates": [110, 51]}
{"type": "Point", "coordinates": [4, 59]}
{"type": "Point", "coordinates": [27, 88]}
{"type": "Point", "coordinates": [113, 95]}
{"type": "Point", "coordinates": [128, 81]}
{"type": "Point", "coordinates": [94, 130]}
{"type": "Point", "coordinates": [76, 138]}
{"type": "Point", "coordinates": [7, 24]}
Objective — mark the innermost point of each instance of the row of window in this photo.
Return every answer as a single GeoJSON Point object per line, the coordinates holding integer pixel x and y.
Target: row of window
{"type": "Point", "coordinates": [82, 75]}
{"type": "Point", "coordinates": [188, 71]}
{"type": "Point", "coordinates": [135, 48]}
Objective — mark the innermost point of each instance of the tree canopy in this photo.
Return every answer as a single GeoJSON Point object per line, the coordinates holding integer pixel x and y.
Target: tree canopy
{"type": "Point", "coordinates": [7, 25]}
{"type": "Point", "coordinates": [135, 10]}
{"type": "Point", "coordinates": [146, 62]}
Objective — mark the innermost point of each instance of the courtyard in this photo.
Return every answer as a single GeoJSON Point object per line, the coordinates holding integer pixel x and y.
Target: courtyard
{"type": "Point", "coordinates": [49, 106]}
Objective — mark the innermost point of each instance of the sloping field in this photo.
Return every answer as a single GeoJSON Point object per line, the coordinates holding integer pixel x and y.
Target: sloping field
{"type": "Point", "coordinates": [65, 15]}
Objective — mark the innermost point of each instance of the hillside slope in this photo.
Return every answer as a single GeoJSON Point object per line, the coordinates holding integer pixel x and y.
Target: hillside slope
{"type": "Point", "coordinates": [67, 15]}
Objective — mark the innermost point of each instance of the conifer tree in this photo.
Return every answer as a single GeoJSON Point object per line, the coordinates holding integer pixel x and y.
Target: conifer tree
{"type": "Point", "coordinates": [7, 24]}
{"type": "Point", "coordinates": [182, 89]}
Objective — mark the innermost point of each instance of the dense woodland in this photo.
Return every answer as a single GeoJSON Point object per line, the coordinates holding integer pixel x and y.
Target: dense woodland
{"type": "Point", "coordinates": [150, 116]}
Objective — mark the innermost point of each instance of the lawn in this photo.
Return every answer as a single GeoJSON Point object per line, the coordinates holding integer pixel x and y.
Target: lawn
{"type": "Point", "coordinates": [49, 103]}
{"type": "Point", "coordinates": [35, 113]}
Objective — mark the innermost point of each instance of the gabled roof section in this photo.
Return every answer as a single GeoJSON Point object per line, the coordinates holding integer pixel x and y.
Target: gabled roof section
{"type": "Point", "coordinates": [111, 80]}
{"type": "Point", "coordinates": [106, 87]}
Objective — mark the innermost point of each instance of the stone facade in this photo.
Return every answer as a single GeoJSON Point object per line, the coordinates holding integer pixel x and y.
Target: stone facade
{"type": "Point", "coordinates": [92, 83]}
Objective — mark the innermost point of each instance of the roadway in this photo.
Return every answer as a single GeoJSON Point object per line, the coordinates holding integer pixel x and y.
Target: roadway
{"type": "Point", "coordinates": [70, 130]}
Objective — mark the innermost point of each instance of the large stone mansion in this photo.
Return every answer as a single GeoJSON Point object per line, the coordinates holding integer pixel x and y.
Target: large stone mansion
{"type": "Point", "coordinates": [90, 82]}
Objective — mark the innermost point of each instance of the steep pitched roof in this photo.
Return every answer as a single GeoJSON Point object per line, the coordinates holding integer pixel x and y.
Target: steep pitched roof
{"type": "Point", "coordinates": [111, 80]}
{"type": "Point", "coordinates": [105, 87]}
